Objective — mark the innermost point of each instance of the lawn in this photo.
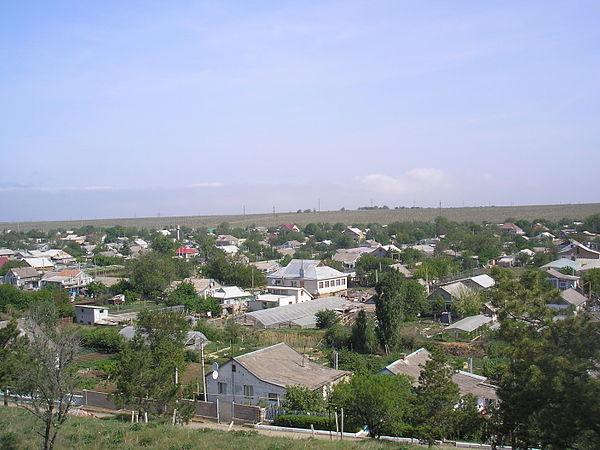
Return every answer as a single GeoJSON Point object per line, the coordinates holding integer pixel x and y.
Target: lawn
{"type": "Point", "coordinates": [17, 425]}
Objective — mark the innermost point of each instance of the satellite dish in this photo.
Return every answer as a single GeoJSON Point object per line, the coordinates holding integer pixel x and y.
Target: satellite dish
{"type": "Point", "coordinates": [215, 370]}
{"type": "Point", "coordinates": [215, 375]}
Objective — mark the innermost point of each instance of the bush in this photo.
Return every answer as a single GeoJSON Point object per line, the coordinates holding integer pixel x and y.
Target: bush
{"type": "Point", "coordinates": [318, 422]}
{"type": "Point", "coordinates": [102, 339]}
{"type": "Point", "coordinates": [305, 421]}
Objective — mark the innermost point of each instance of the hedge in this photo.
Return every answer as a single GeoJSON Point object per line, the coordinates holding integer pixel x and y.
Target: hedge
{"type": "Point", "coordinates": [318, 422]}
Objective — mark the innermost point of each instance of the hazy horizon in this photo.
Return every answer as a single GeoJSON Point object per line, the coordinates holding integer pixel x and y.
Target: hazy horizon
{"type": "Point", "coordinates": [136, 109]}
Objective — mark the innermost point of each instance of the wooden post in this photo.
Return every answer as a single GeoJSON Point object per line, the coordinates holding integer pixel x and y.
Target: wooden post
{"type": "Point", "coordinates": [342, 435]}
{"type": "Point", "coordinates": [218, 418]}
{"type": "Point", "coordinates": [337, 428]}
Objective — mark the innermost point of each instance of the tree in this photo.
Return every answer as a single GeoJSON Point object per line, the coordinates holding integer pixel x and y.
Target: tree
{"type": "Point", "coordinates": [152, 273]}
{"type": "Point", "coordinates": [548, 394]}
{"type": "Point", "coordinates": [12, 348]}
{"type": "Point", "coordinates": [300, 398]}
{"type": "Point", "coordinates": [363, 334]}
{"type": "Point", "coordinates": [45, 379]}
{"type": "Point", "coordinates": [468, 303]}
{"type": "Point", "coordinates": [147, 365]}
{"type": "Point", "coordinates": [12, 264]}
{"type": "Point", "coordinates": [591, 280]}
{"type": "Point", "coordinates": [164, 244]}
{"type": "Point", "coordinates": [326, 319]}
{"type": "Point", "coordinates": [95, 288]}
{"type": "Point", "coordinates": [388, 308]}
{"type": "Point", "coordinates": [380, 402]}
{"type": "Point", "coordinates": [468, 423]}
{"type": "Point", "coordinates": [435, 399]}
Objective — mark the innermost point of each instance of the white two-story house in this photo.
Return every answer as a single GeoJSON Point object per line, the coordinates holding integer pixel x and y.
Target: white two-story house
{"type": "Point", "coordinates": [314, 276]}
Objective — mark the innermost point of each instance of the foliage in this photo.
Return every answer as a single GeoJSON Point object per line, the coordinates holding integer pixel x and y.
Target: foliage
{"type": "Point", "coordinates": [300, 398]}
{"type": "Point", "coordinates": [152, 273]}
{"type": "Point", "coordinates": [102, 339]}
{"type": "Point", "coordinates": [435, 399]}
{"type": "Point", "coordinates": [363, 334]}
{"type": "Point", "coordinates": [434, 268]}
{"type": "Point", "coordinates": [164, 244]}
{"type": "Point", "coordinates": [467, 421]}
{"type": "Point", "coordinates": [469, 303]}
{"type": "Point", "coordinates": [547, 391]}
{"type": "Point", "coordinates": [396, 299]}
{"type": "Point", "coordinates": [380, 402]}
{"type": "Point", "coordinates": [12, 349]}
{"type": "Point", "coordinates": [231, 272]}
{"type": "Point", "coordinates": [185, 294]}
{"type": "Point", "coordinates": [95, 288]}
{"type": "Point", "coordinates": [44, 377]}
{"type": "Point", "coordinates": [591, 280]}
{"type": "Point", "coordinates": [12, 264]}
{"type": "Point", "coordinates": [305, 421]}
{"type": "Point", "coordinates": [147, 365]}
{"type": "Point", "coordinates": [326, 319]}
{"type": "Point", "coordinates": [12, 298]}
{"type": "Point", "coordinates": [338, 336]}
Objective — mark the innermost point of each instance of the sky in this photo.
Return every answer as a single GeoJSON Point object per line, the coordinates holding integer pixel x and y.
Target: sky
{"type": "Point", "coordinates": [140, 108]}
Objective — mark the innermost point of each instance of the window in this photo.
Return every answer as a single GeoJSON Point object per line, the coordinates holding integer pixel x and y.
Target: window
{"type": "Point", "coordinates": [338, 282]}
{"type": "Point", "coordinates": [327, 284]}
{"type": "Point", "coordinates": [272, 397]}
{"type": "Point", "coordinates": [233, 368]}
{"type": "Point", "coordinates": [343, 281]}
{"type": "Point", "coordinates": [222, 388]}
{"type": "Point", "coordinates": [248, 390]}
{"type": "Point", "coordinates": [320, 285]}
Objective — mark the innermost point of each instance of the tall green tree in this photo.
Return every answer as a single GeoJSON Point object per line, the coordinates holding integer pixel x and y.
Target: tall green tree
{"type": "Point", "coordinates": [12, 350]}
{"type": "Point", "coordinates": [152, 273]}
{"type": "Point", "coordinates": [435, 399]}
{"type": "Point", "coordinates": [548, 393]}
{"type": "Point", "coordinates": [363, 334]}
{"type": "Point", "coordinates": [388, 308]}
{"type": "Point", "coordinates": [151, 363]}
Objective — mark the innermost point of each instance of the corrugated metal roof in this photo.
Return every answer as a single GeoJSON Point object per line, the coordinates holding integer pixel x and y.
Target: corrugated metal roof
{"type": "Point", "coordinates": [271, 317]}
{"type": "Point", "coordinates": [469, 324]}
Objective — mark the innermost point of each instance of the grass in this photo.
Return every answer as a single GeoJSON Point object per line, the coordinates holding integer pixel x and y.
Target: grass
{"type": "Point", "coordinates": [16, 427]}
{"type": "Point", "coordinates": [476, 214]}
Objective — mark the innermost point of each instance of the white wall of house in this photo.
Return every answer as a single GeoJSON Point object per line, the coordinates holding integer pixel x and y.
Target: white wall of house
{"type": "Point", "coordinates": [319, 288]}
{"type": "Point", "coordinates": [241, 386]}
{"type": "Point", "coordinates": [89, 315]}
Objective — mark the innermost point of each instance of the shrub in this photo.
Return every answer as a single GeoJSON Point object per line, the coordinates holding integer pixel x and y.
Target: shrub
{"type": "Point", "coordinates": [318, 422]}
{"type": "Point", "coordinates": [102, 339]}
{"type": "Point", "coordinates": [305, 421]}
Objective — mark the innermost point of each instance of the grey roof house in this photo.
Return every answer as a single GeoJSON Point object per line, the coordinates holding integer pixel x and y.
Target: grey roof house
{"type": "Point", "coordinates": [263, 376]}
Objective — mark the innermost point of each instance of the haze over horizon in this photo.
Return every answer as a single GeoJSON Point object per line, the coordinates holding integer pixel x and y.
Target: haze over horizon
{"type": "Point", "coordinates": [123, 109]}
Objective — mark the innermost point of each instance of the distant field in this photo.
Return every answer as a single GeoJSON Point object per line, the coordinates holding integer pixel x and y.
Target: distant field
{"type": "Point", "coordinates": [474, 214]}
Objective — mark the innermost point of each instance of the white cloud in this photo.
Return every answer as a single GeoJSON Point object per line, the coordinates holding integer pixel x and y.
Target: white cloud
{"type": "Point", "coordinates": [416, 180]}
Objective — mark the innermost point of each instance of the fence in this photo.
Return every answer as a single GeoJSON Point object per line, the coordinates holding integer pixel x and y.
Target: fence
{"type": "Point", "coordinates": [219, 411]}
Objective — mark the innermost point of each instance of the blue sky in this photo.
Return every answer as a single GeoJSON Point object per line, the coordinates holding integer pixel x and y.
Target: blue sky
{"type": "Point", "coordinates": [116, 109]}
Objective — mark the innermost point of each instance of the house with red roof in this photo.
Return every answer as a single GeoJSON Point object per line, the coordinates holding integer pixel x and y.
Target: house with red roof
{"type": "Point", "coordinates": [288, 227]}
{"type": "Point", "coordinates": [186, 252]}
